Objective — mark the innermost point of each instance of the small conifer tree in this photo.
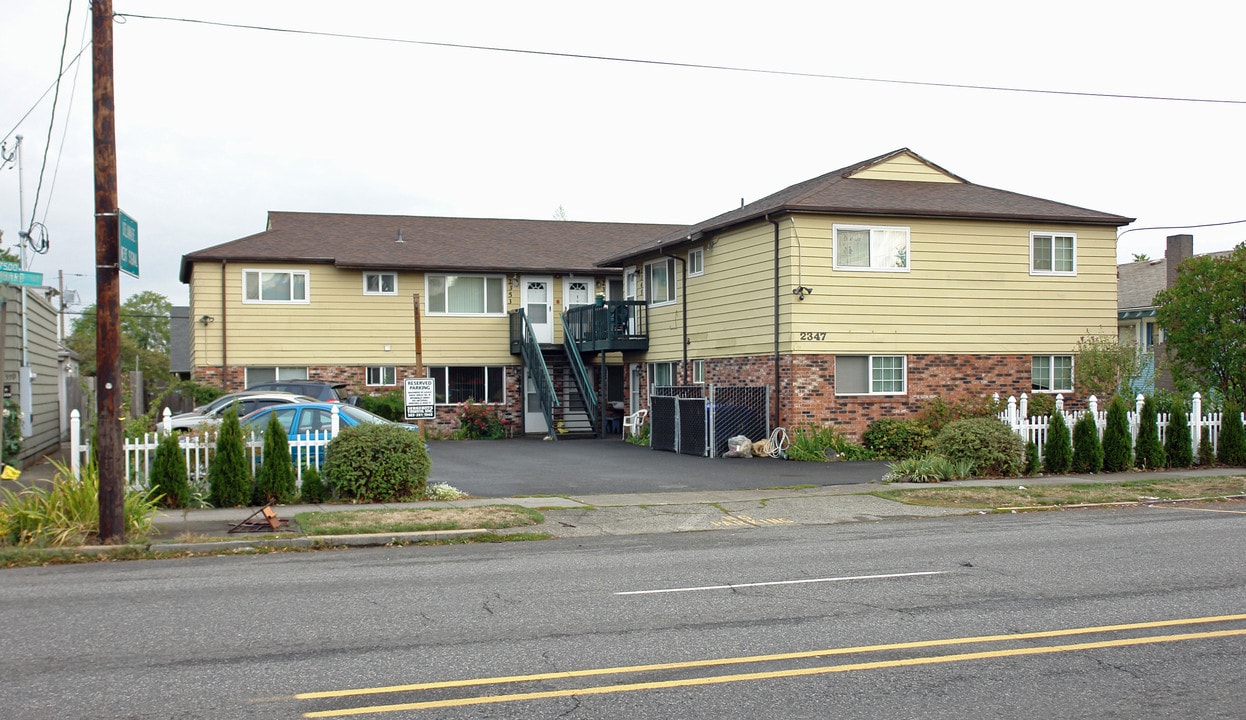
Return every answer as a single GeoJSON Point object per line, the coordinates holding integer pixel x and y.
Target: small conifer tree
{"type": "Point", "coordinates": [1231, 445]}
{"type": "Point", "coordinates": [275, 481]}
{"type": "Point", "coordinates": [1118, 451]}
{"type": "Point", "coordinates": [1058, 450]}
{"type": "Point", "coordinates": [1149, 453]}
{"type": "Point", "coordinates": [229, 478]}
{"type": "Point", "coordinates": [1178, 444]}
{"type": "Point", "coordinates": [1206, 453]}
{"type": "Point", "coordinates": [313, 490]}
{"type": "Point", "coordinates": [1032, 463]}
{"type": "Point", "coordinates": [1087, 450]}
{"type": "Point", "coordinates": [168, 473]}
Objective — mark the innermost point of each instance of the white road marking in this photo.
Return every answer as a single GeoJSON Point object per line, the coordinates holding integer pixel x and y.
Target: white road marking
{"type": "Point", "coordinates": [781, 582]}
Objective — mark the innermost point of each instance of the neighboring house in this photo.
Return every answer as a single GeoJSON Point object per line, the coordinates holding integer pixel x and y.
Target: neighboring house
{"type": "Point", "coordinates": [870, 290]}
{"type": "Point", "coordinates": [32, 369]}
{"type": "Point", "coordinates": [1138, 284]}
{"type": "Point", "coordinates": [364, 299]}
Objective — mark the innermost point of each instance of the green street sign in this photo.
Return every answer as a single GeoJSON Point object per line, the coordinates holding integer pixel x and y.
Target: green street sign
{"type": "Point", "coordinates": [20, 277]}
{"type": "Point", "coordinates": [127, 230]}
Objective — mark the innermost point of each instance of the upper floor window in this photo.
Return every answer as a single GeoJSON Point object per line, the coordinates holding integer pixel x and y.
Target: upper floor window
{"type": "Point", "coordinates": [860, 247]}
{"type": "Point", "coordinates": [274, 286]}
{"type": "Point", "coordinates": [660, 281]}
{"type": "Point", "coordinates": [1051, 373]}
{"type": "Point", "coordinates": [1052, 254]}
{"type": "Point", "coordinates": [696, 262]}
{"type": "Point", "coordinates": [466, 295]}
{"type": "Point", "coordinates": [376, 283]}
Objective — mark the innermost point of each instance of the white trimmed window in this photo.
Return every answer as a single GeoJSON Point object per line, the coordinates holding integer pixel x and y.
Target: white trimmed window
{"type": "Point", "coordinates": [466, 295]}
{"type": "Point", "coordinates": [460, 384]}
{"type": "Point", "coordinates": [1051, 373]}
{"type": "Point", "coordinates": [696, 262]}
{"type": "Point", "coordinates": [871, 375]}
{"type": "Point", "coordinates": [698, 372]}
{"type": "Point", "coordinates": [257, 375]}
{"type": "Point", "coordinates": [661, 374]}
{"type": "Point", "coordinates": [377, 283]}
{"type": "Point", "coordinates": [274, 286]}
{"type": "Point", "coordinates": [660, 281]}
{"type": "Point", "coordinates": [861, 247]}
{"type": "Point", "coordinates": [381, 375]}
{"type": "Point", "coordinates": [1053, 254]}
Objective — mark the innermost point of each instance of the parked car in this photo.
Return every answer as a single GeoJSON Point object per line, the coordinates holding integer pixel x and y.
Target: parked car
{"type": "Point", "coordinates": [315, 389]}
{"type": "Point", "coordinates": [301, 419]}
{"type": "Point", "coordinates": [248, 401]}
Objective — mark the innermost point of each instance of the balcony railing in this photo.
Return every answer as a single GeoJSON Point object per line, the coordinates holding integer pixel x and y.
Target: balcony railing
{"type": "Point", "coordinates": [612, 325]}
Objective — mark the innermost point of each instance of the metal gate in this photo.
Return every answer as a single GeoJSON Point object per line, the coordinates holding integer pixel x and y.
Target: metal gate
{"type": "Point", "coordinates": [684, 420]}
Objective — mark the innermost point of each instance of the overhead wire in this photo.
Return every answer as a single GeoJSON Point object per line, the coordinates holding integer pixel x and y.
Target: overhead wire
{"type": "Point", "coordinates": [41, 245]}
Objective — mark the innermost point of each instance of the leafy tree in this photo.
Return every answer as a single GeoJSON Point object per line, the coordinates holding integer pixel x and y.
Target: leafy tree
{"type": "Point", "coordinates": [1087, 450]}
{"type": "Point", "coordinates": [168, 473]}
{"type": "Point", "coordinates": [7, 255]}
{"type": "Point", "coordinates": [1149, 453]}
{"type": "Point", "coordinates": [1178, 443]}
{"type": "Point", "coordinates": [1058, 450]}
{"type": "Point", "coordinates": [1231, 445]}
{"type": "Point", "coordinates": [1104, 365]}
{"type": "Point", "coordinates": [275, 481]}
{"type": "Point", "coordinates": [229, 478]}
{"type": "Point", "coordinates": [144, 335]}
{"type": "Point", "coordinates": [1203, 316]}
{"type": "Point", "coordinates": [1118, 451]}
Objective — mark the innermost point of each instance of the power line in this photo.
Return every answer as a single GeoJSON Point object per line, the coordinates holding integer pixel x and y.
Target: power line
{"type": "Point", "coordinates": [1181, 227]}
{"type": "Point", "coordinates": [669, 63]}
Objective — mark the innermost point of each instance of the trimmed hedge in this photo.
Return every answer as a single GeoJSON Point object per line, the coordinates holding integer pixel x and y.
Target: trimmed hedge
{"type": "Point", "coordinates": [991, 446]}
{"type": "Point", "coordinates": [375, 462]}
{"type": "Point", "coordinates": [898, 438]}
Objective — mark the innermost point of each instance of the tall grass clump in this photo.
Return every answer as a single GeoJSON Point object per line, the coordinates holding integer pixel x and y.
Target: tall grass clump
{"type": "Point", "coordinates": [68, 512]}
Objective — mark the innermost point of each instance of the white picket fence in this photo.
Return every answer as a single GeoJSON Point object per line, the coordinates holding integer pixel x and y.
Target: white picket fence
{"type": "Point", "coordinates": [1034, 429]}
{"type": "Point", "coordinates": [306, 450]}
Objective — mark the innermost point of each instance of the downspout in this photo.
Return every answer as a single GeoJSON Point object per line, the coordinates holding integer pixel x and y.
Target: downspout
{"type": "Point", "coordinates": [224, 326]}
{"type": "Point", "coordinates": [683, 288]}
{"type": "Point", "coordinates": [778, 396]}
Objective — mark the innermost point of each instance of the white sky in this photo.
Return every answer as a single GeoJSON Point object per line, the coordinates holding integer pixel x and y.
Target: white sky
{"type": "Point", "coordinates": [217, 126]}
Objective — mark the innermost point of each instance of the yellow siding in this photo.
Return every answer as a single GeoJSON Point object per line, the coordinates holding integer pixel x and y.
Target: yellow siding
{"type": "Point", "coordinates": [968, 290]}
{"type": "Point", "coordinates": [905, 167]}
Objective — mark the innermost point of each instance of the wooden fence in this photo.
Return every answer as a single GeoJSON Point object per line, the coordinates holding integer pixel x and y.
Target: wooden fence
{"type": "Point", "coordinates": [1034, 429]}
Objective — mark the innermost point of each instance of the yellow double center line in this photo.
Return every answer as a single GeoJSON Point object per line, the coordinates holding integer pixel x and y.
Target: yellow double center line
{"type": "Point", "coordinates": [769, 675]}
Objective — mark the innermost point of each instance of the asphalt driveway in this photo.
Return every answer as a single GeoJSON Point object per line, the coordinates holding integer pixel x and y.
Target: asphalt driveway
{"type": "Point", "coordinates": [532, 466]}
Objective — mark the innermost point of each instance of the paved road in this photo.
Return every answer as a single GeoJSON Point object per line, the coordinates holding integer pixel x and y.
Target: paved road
{"type": "Point", "coordinates": [811, 607]}
{"type": "Point", "coordinates": [529, 466]}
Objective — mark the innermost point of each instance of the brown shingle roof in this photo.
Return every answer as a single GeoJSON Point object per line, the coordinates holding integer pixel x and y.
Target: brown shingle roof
{"type": "Point", "coordinates": [433, 243]}
{"type": "Point", "coordinates": [840, 192]}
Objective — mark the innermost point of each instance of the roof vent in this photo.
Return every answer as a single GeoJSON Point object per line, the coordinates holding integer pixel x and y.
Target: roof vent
{"type": "Point", "coordinates": [399, 236]}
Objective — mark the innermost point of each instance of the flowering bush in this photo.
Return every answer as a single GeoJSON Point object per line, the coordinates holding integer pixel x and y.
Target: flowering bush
{"type": "Point", "coordinates": [478, 422]}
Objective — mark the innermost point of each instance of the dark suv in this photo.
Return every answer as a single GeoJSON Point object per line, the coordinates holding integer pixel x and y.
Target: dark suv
{"type": "Point", "coordinates": [318, 389]}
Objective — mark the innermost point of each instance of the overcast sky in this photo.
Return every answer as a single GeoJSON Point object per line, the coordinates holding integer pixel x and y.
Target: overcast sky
{"type": "Point", "coordinates": [216, 125]}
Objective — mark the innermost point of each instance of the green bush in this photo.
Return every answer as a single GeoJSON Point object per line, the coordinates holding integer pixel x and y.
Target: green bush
{"type": "Point", "coordinates": [1087, 450]}
{"type": "Point", "coordinates": [68, 512]}
{"type": "Point", "coordinates": [372, 462]}
{"type": "Point", "coordinates": [275, 481]}
{"type": "Point", "coordinates": [1058, 450]}
{"type": "Point", "coordinates": [939, 411]}
{"type": "Point", "coordinates": [1206, 453]}
{"type": "Point", "coordinates": [1040, 405]}
{"type": "Point", "coordinates": [313, 489]}
{"type": "Point", "coordinates": [927, 469]}
{"type": "Point", "coordinates": [478, 421]}
{"type": "Point", "coordinates": [169, 479]}
{"type": "Point", "coordinates": [898, 438]}
{"type": "Point", "coordinates": [1178, 445]}
{"type": "Point", "coordinates": [1032, 463]}
{"type": "Point", "coordinates": [1149, 453]}
{"type": "Point", "coordinates": [390, 406]}
{"type": "Point", "coordinates": [810, 442]}
{"type": "Point", "coordinates": [1118, 451]}
{"type": "Point", "coordinates": [229, 477]}
{"type": "Point", "coordinates": [992, 448]}
{"type": "Point", "coordinates": [1231, 445]}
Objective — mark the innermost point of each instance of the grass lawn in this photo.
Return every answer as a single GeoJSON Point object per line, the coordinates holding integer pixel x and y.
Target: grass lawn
{"type": "Point", "coordinates": [363, 522]}
{"type": "Point", "coordinates": [1024, 494]}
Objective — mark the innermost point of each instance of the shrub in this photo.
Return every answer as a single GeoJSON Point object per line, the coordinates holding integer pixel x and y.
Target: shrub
{"type": "Point", "coordinates": [1149, 452]}
{"type": "Point", "coordinates": [390, 406]}
{"type": "Point", "coordinates": [991, 446]}
{"type": "Point", "coordinates": [928, 468]}
{"type": "Point", "coordinates": [478, 422]}
{"type": "Point", "coordinates": [443, 492]}
{"type": "Point", "coordinates": [313, 489]}
{"type": "Point", "coordinates": [898, 438]}
{"type": "Point", "coordinates": [375, 462]}
{"type": "Point", "coordinates": [1206, 453]}
{"type": "Point", "coordinates": [275, 481]}
{"type": "Point", "coordinates": [169, 479]}
{"type": "Point", "coordinates": [1040, 405]}
{"type": "Point", "coordinates": [229, 478]}
{"type": "Point", "coordinates": [810, 443]}
{"type": "Point", "coordinates": [1118, 452]}
{"type": "Point", "coordinates": [1087, 450]}
{"type": "Point", "coordinates": [1178, 445]}
{"type": "Point", "coordinates": [1231, 448]}
{"type": "Point", "coordinates": [938, 412]}
{"type": "Point", "coordinates": [68, 512]}
{"type": "Point", "coordinates": [1058, 451]}
{"type": "Point", "coordinates": [1032, 463]}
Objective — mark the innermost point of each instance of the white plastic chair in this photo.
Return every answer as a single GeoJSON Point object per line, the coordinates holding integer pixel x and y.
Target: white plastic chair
{"type": "Point", "coordinates": [634, 421]}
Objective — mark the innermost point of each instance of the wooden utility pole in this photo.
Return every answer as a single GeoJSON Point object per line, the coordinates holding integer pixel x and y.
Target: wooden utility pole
{"type": "Point", "coordinates": [107, 282]}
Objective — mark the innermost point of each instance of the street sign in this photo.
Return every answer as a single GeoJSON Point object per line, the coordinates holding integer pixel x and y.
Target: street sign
{"type": "Point", "coordinates": [127, 231]}
{"type": "Point", "coordinates": [421, 398]}
{"type": "Point", "coordinates": [16, 276]}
